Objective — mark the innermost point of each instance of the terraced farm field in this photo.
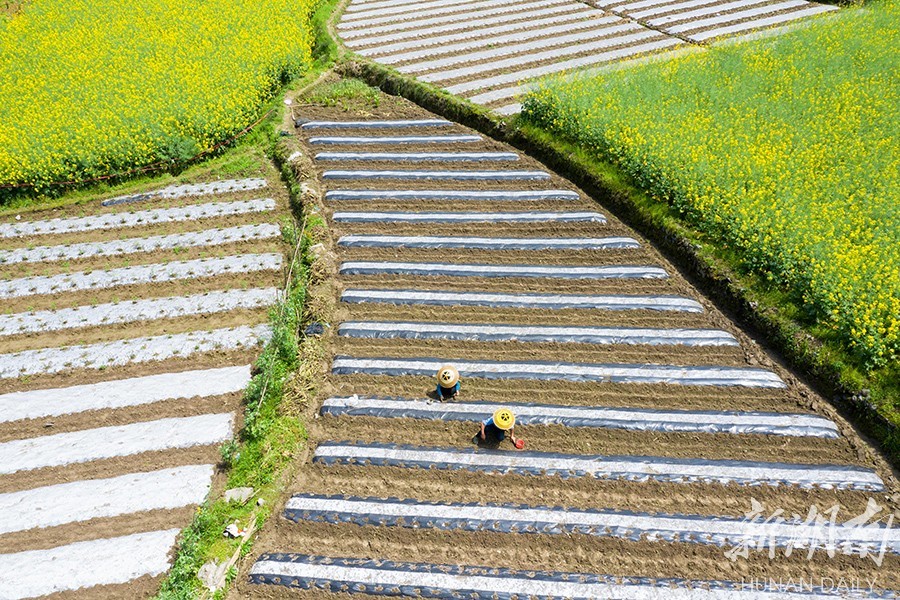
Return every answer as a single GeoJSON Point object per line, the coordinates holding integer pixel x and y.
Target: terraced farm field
{"type": "Point", "coordinates": [488, 51]}
{"type": "Point", "coordinates": [128, 329]}
{"type": "Point", "coordinates": [660, 437]}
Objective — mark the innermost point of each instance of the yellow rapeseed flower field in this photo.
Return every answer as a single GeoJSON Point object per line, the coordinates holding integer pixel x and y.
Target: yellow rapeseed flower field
{"type": "Point", "coordinates": [92, 87]}
{"type": "Point", "coordinates": [785, 148]}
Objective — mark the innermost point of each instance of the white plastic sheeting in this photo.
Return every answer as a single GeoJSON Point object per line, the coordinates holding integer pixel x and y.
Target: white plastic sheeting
{"type": "Point", "coordinates": [372, 20]}
{"type": "Point", "coordinates": [109, 442]}
{"type": "Point", "coordinates": [216, 301]}
{"type": "Point", "coordinates": [194, 239]}
{"type": "Point", "coordinates": [136, 219]}
{"type": "Point", "coordinates": [396, 8]}
{"type": "Point", "coordinates": [485, 243]}
{"type": "Point", "coordinates": [538, 333]}
{"type": "Point", "coordinates": [474, 196]}
{"type": "Point", "coordinates": [615, 373]}
{"type": "Point", "coordinates": [637, 419]}
{"type": "Point", "coordinates": [99, 498]}
{"type": "Point", "coordinates": [405, 139]}
{"type": "Point", "coordinates": [509, 109]}
{"type": "Point", "coordinates": [439, 175]}
{"type": "Point", "coordinates": [364, 6]}
{"type": "Point", "coordinates": [121, 393]}
{"type": "Point", "coordinates": [510, 300]}
{"type": "Point", "coordinates": [630, 468]}
{"type": "Point", "coordinates": [419, 156]}
{"type": "Point", "coordinates": [483, 270]}
{"type": "Point", "coordinates": [516, 77]}
{"type": "Point", "coordinates": [85, 564]}
{"type": "Point", "coordinates": [637, 34]}
{"type": "Point", "coordinates": [697, 13]}
{"type": "Point", "coordinates": [192, 189]}
{"type": "Point", "coordinates": [807, 11]}
{"type": "Point", "coordinates": [468, 217]}
{"type": "Point", "coordinates": [553, 41]}
{"type": "Point", "coordinates": [736, 16]}
{"type": "Point", "coordinates": [136, 350]}
{"type": "Point", "coordinates": [518, 518]}
{"type": "Point", "coordinates": [381, 577]}
{"type": "Point", "coordinates": [413, 27]}
{"type": "Point", "coordinates": [171, 271]}
{"type": "Point", "coordinates": [554, 25]}
{"type": "Point", "coordinates": [403, 40]}
{"type": "Point", "coordinates": [397, 124]}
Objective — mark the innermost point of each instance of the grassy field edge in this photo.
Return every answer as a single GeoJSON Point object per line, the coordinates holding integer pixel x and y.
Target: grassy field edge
{"type": "Point", "coordinates": [824, 365]}
{"type": "Point", "coordinates": [274, 435]}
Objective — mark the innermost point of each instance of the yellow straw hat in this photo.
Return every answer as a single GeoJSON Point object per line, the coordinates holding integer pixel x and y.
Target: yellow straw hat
{"type": "Point", "coordinates": [504, 419]}
{"type": "Point", "coordinates": [447, 376]}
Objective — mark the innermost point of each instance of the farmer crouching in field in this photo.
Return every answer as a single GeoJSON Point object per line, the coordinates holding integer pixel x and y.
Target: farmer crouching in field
{"type": "Point", "coordinates": [493, 430]}
{"type": "Point", "coordinates": [448, 383]}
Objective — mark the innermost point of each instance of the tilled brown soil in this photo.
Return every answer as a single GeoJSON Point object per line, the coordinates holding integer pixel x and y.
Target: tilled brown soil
{"type": "Point", "coordinates": [581, 492]}
{"type": "Point", "coordinates": [579, 553]}
{"type": "Point", "coordinates": [547, 552]}
{"type": "Point", "coordinates": [142, 587]}
{"type": "Point", "coordinates": [589, 258]}
{"type": "Point", "coordinates": [497, 230]}
{"type": "Point", "coordinates": [442, 184]}
{"type": "Point", "coordinates": [95, 529]}
{"type": "Point", "coordinates": [207, 360]}
{"type": "Point", "coordinates": [484, 145]}
{"type": "Point", "coordinates": [578, 393]}
{"type": "Point", "coordinates": [525, 316]}
{"type": "Point", "coordinates": [399, 205]}
{"type": "Point", "coordinates": [164, 289]}
{"type": "Point", "coordinates": [139, 258]}
{"type": "Point", "coordinates": [598, 29]}
{"type": "Point", "coordinates": [585, 440]}
{"type": "Point", "coordinates": [32, 428]}
{"type": "Point", "coordinates": [123, 331]}
{"type": "Point", "coordinates": [147, 230]}
{"type": "Point", "coordinates": [473, 283]}
{"type": "Point", "coordinates": [92, 206]}
{"type": "Point", "coordinates": [110, 467]}
{"type": "Point", "coordinates": [728, 356]}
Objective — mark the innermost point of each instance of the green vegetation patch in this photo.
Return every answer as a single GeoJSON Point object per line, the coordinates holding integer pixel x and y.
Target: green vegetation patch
{"type": "Point", "coordinates": [785, 150]}
{"type": "Point", "coordinates": [93, 88]}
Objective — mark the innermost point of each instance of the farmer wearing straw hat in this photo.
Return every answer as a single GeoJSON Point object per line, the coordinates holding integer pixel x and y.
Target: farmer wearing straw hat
{"type": "Point", "coordinates": [448, 383]}
{"type": "Point", "coordinates": [493, 430]}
